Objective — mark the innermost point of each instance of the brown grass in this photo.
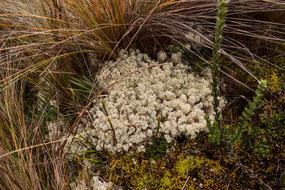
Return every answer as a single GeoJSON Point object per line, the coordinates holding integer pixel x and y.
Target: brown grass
{"type": "Point", "coordinates": [38, 168]}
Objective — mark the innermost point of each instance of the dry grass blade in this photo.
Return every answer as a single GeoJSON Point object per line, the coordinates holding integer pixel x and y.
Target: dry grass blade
{"type": "Point", "coordinates": [104, 27]}
{"type": "Point", "coordinates": [26, 169]}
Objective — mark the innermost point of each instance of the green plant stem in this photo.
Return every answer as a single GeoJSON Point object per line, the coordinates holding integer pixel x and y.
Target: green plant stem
{"type": "Point", "coordinates": [216, 74]}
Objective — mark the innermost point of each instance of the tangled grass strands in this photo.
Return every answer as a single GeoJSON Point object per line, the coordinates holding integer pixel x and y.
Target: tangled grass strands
{"type": "Point", "coordinates": [35, 67]}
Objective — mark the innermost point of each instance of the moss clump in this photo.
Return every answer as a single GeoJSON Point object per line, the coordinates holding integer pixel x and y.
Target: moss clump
{"type": "Point", "coordinates": [202, 170]}
{"type": "Point", "coordinates": [134, 172]}
{"type": "Point", "coordinates": [273, 83]}
{"type": "Point", "coordinates": [172, 181]}
{"type": "Point", "coordinates": [187, 164]}
{"type": "Point", "coordinates": [168, 172]}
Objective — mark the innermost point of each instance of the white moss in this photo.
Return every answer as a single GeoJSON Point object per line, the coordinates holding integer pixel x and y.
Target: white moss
{"type": "Point", "coordinates": [94, 184]}
{"type": "Point", "coordinates": [161, 56]}
{"type": "Point", "coordinates": [98, 184]}
{"type": "Point", "coordinates": [145, 98]}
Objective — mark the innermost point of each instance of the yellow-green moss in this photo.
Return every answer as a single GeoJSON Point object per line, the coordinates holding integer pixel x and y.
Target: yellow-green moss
{"type": "Point", "coordinates": [209, 183]}
{"type": "Point", "coordinates": [166, 180]}
{"type": "Point", "coordinates": [273, 83]}
{"type": "Point", "coordinates": [170, 181]}
{"type": "Point", "coordinates": [134, 172]}
{"type": "Point", "coordinates": [190, 163]}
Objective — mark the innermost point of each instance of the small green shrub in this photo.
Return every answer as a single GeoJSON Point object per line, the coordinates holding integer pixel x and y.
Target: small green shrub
{"type": "Point", "coordinates": [244, 125]}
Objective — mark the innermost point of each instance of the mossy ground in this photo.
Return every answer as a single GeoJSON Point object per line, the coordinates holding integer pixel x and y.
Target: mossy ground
{"type": "Point", "coordinates": [256, 162]}
{"type": "Point", "coordinates": [186, 165]}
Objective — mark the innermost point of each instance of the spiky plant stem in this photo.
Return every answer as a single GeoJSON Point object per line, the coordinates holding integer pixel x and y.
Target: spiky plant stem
{"type": "Point", "coordinates": [248, 113]}
{"type": "Point", "coordinates": [216, 74]}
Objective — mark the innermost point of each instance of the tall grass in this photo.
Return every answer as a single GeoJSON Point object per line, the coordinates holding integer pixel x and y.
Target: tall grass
{"type": "Point", "coordinates": [55, 47]}
{"type": "Point", "coordinates": [37, 168]}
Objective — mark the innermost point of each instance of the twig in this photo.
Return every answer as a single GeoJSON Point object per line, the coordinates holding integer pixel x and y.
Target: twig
{"type": "Point", "coordinates": [184, 186]}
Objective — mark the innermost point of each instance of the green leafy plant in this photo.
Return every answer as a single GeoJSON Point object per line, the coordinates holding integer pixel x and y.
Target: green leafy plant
{"type": "Point", "coordinates": [247, 114]}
